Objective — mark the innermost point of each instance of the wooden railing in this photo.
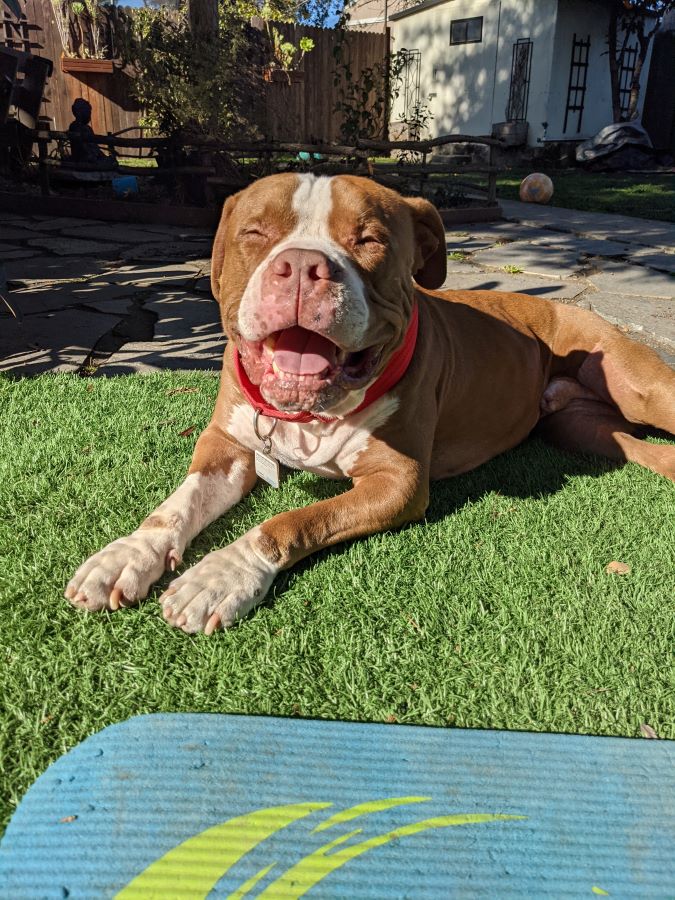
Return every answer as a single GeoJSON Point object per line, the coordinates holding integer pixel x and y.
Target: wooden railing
{"type": "Point", "coordinates": [360, 156]}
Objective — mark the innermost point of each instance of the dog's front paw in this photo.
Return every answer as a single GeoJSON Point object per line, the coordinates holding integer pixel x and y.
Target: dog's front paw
{"type": "Point", "coordinates": [121, 573]}
{"type": "Point", "coordinates": [220, 589]}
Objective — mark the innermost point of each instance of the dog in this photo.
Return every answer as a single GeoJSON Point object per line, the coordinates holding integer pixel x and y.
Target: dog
{"type": "Point", "coordinates": [343, 359]}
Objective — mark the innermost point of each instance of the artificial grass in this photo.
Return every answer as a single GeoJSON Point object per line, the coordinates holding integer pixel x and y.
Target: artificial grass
{"type": "Point", "coordinates": [496, 612]}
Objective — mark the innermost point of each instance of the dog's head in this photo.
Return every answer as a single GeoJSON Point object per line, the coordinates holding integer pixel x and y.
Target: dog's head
{"type": "Point", "coordinates": [314, 279]}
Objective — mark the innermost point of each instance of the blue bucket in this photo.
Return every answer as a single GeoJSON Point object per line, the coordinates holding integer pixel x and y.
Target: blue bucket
{"type": "Point", "coordinates": [125, 185]}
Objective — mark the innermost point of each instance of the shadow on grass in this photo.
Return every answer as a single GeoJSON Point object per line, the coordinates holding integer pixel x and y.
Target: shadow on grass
{"type": "Point", "coordinates": [531, 470]}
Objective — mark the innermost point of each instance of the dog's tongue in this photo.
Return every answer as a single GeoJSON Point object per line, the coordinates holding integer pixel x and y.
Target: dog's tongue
{"type": "Point", "coordinates": [301, 352]}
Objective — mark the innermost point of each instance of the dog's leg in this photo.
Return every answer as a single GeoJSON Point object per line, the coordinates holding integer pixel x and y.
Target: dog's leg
{"type": "Point", "coordinates": [634, 379]}
{"type": "Point", "coordinates": [227, 583]}
{"type": "Point", "coordinates": [592, 426]}
{"type": "Point", "coordinates": [121, 574]}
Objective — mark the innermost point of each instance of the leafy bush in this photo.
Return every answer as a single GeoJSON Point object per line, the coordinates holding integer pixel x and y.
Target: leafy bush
{"type": "Point", "coordinates": [194, 84]}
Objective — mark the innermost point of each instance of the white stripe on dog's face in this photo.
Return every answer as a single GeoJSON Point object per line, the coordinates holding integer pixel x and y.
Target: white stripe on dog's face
{"type": "Point", "coordinates": [313, 203]}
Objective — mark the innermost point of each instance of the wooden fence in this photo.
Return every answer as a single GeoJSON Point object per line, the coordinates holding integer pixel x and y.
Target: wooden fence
{"type": "Point", "coordinates": [112, 107]}
{"type": "Point", "coordinates": [299, 109]}
{"type": "Point", "coordinates": [304, 110]}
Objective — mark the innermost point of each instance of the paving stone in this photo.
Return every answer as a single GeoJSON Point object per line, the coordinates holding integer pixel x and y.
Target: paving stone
{"type": "Point", "coordinates": [471, 278]}
{"type": "Point", "coordinates": [64, 246]}
{"type": "Point", "coordinates": [621, 278]}
{"type": "Point", "coordinates": [182, 232]}
{"type": "Point", "coordinates": [464, 242]}
{"type": "Point", "coordinates": [13, 232]}
{"type": "Point", "coordinates": [583, 246]}
{"type": "Point", "coordinates": [49, 223]}
{"type": "Point", "coordinates": [176, 250]}
{"type": "Point", "coordinates": [667, 357]}
{"type": "Point", "coordinates": [143, 275]}
{"type": "Point", "coordinates": [502, 231]}
{"type": "Point", "coordinates": [116, 233]}
{"type": "Point", "coordinates": [46, 297]}
{"type": "Point", "coordinates": [38, 269]}
{"type": "Point", "coordinates": [187, 336]}
{"type": "Point", "coordinates": [203, 285]}
{"type": "Point", "coordinates": [54, 342]}
{"type": "Point", "coordinates": [654, 259]}
{"type": "Point", "coordinates": [646, 232]}
{"type": "Point", "coordinates": [652, 317]}
{"type": "Point", "coordinates": [7, 252]}
{"type": "Point", "coordinates": [533, 259]}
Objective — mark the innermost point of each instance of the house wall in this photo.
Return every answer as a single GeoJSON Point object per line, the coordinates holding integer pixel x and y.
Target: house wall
{"type": "Point", "coordinates": [458, 78]}
{"type": "Point", "coordinates": [469, 83]}
{"type": "Point", "coordinates": [585, 19]}
{"type": "Point", "coordinates": [535, 20]}
{"type": "Point", "coordinates": [368, 15]}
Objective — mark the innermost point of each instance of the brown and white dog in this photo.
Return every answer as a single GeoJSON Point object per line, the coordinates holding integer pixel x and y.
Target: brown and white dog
{"type": "Point", "coordinates": [338, 363]}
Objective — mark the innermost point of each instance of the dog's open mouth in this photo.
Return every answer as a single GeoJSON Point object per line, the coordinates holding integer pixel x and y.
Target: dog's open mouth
{"type": "Point", "coordinates": [298, 369]}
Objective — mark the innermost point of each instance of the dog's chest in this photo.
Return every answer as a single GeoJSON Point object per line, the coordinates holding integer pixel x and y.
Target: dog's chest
{"type": "Point", "coordinates": [325, 448]}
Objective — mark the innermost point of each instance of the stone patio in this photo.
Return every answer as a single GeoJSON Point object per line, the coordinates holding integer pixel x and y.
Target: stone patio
{"type": "Point", "coordinates": [97, 297]}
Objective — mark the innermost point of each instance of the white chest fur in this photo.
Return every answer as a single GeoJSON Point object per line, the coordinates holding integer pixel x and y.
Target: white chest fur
{"type": "Point", "coordinates": [326, 448]}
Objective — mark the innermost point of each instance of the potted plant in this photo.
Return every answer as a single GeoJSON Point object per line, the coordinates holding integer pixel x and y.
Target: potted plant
{"type": "Point", "coordinates": [285, 57]}
{"type": "Point", "coordinates": [86, 30]}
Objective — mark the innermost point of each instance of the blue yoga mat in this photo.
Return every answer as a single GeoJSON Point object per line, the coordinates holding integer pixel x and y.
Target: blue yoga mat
{"type": "Point", "coordinates": [196, 806]}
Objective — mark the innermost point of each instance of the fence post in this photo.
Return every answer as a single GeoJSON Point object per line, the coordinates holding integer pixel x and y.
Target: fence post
{"type": "Point", "coordinates": [387, 84]}
{"type": "Point", "coordinates": [43, 169]}
{"type": "Point", "coordinates": [492, 178]}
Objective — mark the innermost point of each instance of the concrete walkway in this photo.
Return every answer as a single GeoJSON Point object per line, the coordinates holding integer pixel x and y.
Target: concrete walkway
{"type": "Point", "coordinates": [116, 299]}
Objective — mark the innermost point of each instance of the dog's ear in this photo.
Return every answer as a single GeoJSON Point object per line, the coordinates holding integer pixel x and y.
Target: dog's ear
{"type": "Point", "coordinates": [219, 245]}
{"type": "Point", "coordinates": [430, 253]}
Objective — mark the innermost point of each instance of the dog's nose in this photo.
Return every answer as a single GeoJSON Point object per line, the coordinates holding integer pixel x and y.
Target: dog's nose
{"type": "Point", "coordinates": [298, 288]}
{"type": "Point", "coordinates": [303, 265]}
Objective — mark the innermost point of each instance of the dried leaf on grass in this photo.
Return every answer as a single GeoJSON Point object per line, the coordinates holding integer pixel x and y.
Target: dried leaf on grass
{"type": "Point", "coordinates": [187, 431]}
{"type": "Point", "coordinates": [647, 731]}
{"type": "Point", "coordinates": [182, 390]}
{"type": "Point", "coordinates": [617, 568]}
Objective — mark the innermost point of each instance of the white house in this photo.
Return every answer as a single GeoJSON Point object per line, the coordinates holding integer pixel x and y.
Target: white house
{"type": "Point", "coordinates": [482, 62]}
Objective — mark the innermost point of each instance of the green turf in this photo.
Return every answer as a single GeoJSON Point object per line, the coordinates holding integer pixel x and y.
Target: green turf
{"type": "Point", "coordinates": [644, 196]}
{"type": "Point", "coordinates": [495, 612]}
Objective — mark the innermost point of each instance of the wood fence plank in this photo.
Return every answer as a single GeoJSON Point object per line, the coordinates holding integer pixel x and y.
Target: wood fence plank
{"type": "Point", "coordinates": [302, 111]}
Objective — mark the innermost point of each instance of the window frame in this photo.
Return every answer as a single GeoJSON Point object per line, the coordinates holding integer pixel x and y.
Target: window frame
{"type": "Point", "coordinates": [468, 40]}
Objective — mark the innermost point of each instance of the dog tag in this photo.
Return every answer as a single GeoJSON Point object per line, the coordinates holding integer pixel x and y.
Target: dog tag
{"type": "Point", "coordinates": [267, 468]}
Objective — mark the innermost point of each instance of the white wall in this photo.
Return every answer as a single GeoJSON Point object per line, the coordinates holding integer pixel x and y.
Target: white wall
{"type": "Point", "coordinates": [583, 18]}
{"type": "Point", "coordinates": [536, 20]}
{"type": "Point", "coordinates": [471, 81]}
{"type": "Point", "coordinates": [461, 75]}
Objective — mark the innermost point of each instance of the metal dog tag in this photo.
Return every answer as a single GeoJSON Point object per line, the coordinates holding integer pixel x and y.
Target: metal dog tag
{"type": "Point", "coordinates": [267, 468]}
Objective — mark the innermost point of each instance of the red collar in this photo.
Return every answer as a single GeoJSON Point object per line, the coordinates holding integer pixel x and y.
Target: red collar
{"type": "Point", "coordinates": [395, 370]}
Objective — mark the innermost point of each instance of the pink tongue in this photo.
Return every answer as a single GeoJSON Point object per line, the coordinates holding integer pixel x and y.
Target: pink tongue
{"type": "Point", "coordinates": [301, 352]}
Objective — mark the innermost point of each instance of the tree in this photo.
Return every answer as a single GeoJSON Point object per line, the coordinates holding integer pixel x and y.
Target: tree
{"type": "Point", "coordinates": [639, 19]}
{"type": "Point", "coordinates": [306, 12]}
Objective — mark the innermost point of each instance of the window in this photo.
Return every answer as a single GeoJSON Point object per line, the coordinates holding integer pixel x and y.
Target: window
{"type": "Point", "coordinates": [466, 31]}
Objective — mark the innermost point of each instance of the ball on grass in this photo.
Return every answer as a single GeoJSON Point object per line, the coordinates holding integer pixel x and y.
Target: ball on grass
{"type": "Point", "coordinates": [536, 188]}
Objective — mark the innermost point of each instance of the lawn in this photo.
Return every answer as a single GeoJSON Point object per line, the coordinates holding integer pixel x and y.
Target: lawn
{"type": "Point", "coordinates": [645, 196]}
{"type": "Point", "coordinates": [496, 612]}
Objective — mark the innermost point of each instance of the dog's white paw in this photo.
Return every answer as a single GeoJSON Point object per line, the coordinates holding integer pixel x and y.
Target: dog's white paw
{"type": "Point", "coordinates": [121, 573]}
{"type": "Point", "coordinates": [220, 589]}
